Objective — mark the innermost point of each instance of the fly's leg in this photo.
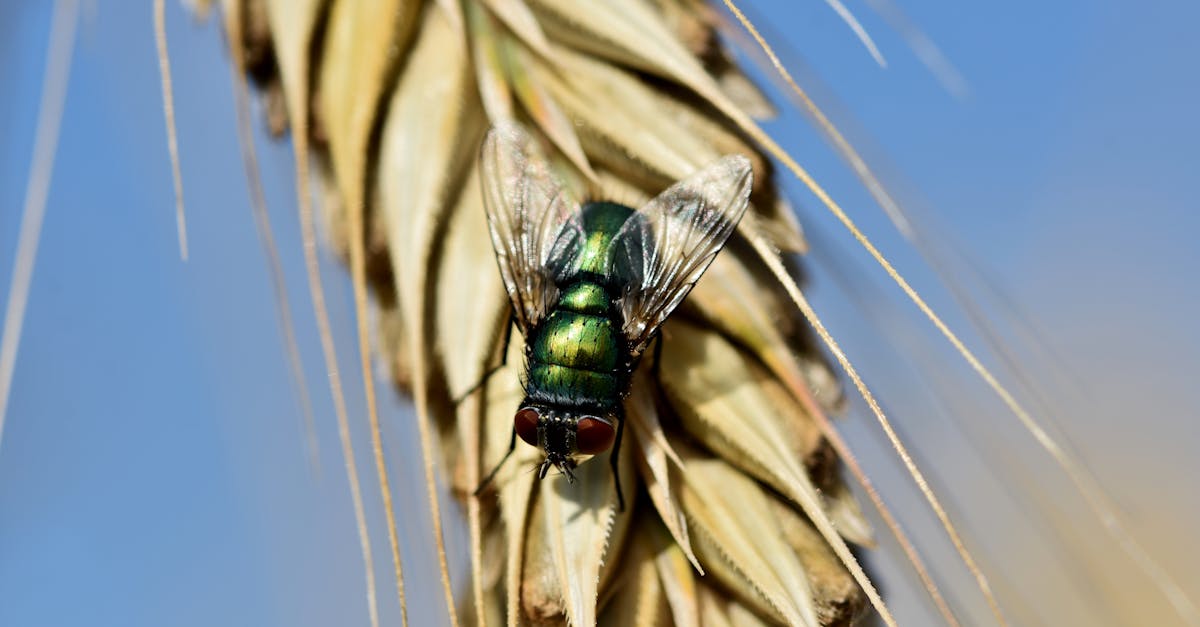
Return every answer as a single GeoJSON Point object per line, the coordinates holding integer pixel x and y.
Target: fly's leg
{"type": "Point", "coordinates": [494, 369]}
{"type": "Point", "coordinates": [656, 369]}
{"type": "Point", "coordinates": [614, 458]}
{"type": "Point", "coordinates": [612, 461]}
{"type": "Point", "coordinates": [512, 443]}
{"type": "Point", "coordinates": [512, 446]}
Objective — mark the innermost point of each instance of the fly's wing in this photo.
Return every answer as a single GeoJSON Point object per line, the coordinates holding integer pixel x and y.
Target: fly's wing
{"type": "Point", "coordinates": [661, 251]}
{"type": "Point", "coordinates": [536, 228]}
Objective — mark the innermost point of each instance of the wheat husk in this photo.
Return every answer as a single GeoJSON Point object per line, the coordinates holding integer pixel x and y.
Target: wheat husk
{"type": "Point", "coordinates": [627, 97]}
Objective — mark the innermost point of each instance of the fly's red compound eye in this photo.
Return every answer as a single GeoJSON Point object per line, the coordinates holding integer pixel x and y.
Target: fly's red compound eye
{"type": "Point", "coordinates": [526, 423]}
{"type": "Point", "coordinates": [593, 435]}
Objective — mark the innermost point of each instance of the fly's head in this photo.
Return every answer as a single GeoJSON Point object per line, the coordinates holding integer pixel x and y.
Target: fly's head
{"type": "Point", "coordinates": [563, 435]}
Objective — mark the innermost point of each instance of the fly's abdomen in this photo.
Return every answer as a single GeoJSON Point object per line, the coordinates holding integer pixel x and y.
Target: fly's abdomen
{"type": "Point", "coordinates": [576, 340]}
{"type": "Point", "coordinates": [573, 387]}
{"type": "Point", "coordinates": [575, 359]}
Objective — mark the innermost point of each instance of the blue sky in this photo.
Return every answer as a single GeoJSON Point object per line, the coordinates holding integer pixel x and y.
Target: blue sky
{"type": "Point", "coordinates": [152, 470]}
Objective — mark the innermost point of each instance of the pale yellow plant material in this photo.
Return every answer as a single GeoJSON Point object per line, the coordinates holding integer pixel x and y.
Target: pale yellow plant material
{"type": "Point", "coordinates": [656, 459]}
{"type": "Point", "coordinates": [732, 519]}
{"type": "Point", "coordinates": [640, 600]}
{"type": "Point", "coordinates": [293, 25]}
{"type": "Point", "coordinates": [364, 43]}
{"type": "Point", "coordinates": [678, 579]}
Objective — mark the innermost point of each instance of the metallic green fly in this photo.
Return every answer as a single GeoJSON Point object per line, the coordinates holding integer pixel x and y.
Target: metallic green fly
{"type": "Point", "coordinates": [591, 284]}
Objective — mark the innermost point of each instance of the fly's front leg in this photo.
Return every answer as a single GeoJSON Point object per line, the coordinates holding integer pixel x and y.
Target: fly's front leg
{"type": "Point", "coordinates": [512, 320]}
{"type": "Point", "coordinates": [612, 461]}
{"type": "Point", "coordinates": [656, 369]}
{"type": "Point", "coordinates": [512, 446]}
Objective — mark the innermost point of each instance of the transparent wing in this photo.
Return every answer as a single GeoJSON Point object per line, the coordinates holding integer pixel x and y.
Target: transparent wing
{"type": "Point", "coordinates": [662, 250]}
{"type": "Point", "coordinates": [535, 226]}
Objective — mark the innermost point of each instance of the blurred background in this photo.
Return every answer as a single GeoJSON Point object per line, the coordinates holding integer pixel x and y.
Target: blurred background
{"type": "Point", "coordinates": [154, 467]}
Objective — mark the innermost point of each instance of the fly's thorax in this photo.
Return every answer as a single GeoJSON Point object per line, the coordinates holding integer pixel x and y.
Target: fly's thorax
{"type": "Point", "coordinates": [601, 221]}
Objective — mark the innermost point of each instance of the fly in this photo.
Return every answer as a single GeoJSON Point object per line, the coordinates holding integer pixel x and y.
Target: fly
{"type": "Point", "coordinates": [590, 285]}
